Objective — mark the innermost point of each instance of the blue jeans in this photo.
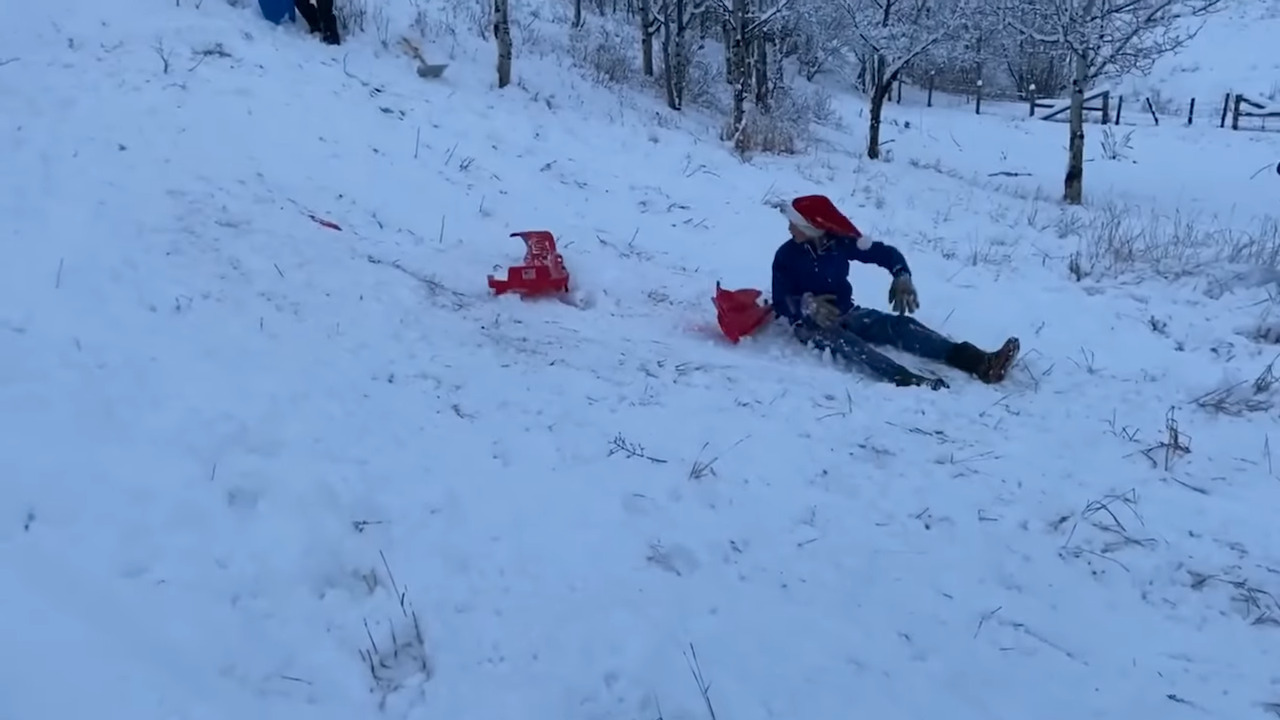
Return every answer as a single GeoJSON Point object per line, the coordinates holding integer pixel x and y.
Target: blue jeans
{"type": "Point", "coordinates": [861, 328]}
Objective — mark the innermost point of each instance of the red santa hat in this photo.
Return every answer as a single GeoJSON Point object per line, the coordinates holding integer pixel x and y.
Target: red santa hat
{"type": "Point", "coordinates": [815, 215]}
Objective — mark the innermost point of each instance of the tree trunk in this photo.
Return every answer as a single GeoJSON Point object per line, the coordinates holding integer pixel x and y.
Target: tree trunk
{"type": "Point", "coordinates": [502, 35]}
{"type": "Point", "coordinates": [739, 72]}
{"type": "Point", "coordinates": [681, 51]}
{"type": "Point", "coordinates": [577, 13]}
{"type": "Point", "coordinates": [668, 56]}
{"type": "Point", "coordinates": [1073, 184]}
{"type": "Point", "coordinates": [762, 71]}
{"type": "Point", "coordinates": [981, 70]}
{"type": "Point", "coordinates": [727, 32]}
{"type": "Point", "coordinates": [778, 76]}
{"type": "Point", "coordinates": [648, 25]}
{"type": "Point", "coordinates": [879, 93]}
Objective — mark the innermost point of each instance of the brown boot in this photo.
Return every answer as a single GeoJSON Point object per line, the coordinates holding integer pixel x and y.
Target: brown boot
{"type": "Point", "coordinates": [989, 367]}
{"type": "Point", "coordinates": [1000, 362]}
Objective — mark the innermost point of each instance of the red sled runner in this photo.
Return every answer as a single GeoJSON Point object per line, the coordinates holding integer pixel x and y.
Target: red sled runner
{"type": "Point", "coordinates": [543, 271]}
{"type": "Point", "coordinates": [740, 312]}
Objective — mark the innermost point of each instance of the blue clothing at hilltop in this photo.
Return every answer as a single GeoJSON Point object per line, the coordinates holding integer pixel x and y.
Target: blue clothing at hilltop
{"type": "Point", "coordinates": [822, 268]}
{"type": "Point", "coordinates": [277, 11]}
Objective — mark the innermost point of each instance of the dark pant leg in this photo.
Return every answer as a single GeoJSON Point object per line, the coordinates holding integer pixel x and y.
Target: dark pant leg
{"type": "Point", "coordinates": [899, 331]}
{"type": "Point", "coordinates": [309, 14]}
{"type": "Point", "coordinates": [328, 21]}
{"type": "Point", "coordinates": [851, 349]}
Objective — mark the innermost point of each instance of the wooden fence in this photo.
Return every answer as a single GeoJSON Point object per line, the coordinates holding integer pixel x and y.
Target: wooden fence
{"type": "Point", "coordinates": [1244, 107]}
{"type": "Point", "coordinates": [1235, 107]}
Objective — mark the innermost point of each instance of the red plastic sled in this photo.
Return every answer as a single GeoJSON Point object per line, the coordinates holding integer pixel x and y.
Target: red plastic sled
{"type": "Point", "coordinates": [543, 271]}
{"type": "Point", "coordinates": [741, 312]}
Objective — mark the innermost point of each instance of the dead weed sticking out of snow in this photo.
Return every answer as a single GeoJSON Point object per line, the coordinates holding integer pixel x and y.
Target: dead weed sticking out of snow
{"type": "Point", "coordinates": [1238, 398]}
{"type": "Point", "coordinates": [1117, 239]}
{"type": "Point", "coordinates": [401, 657]}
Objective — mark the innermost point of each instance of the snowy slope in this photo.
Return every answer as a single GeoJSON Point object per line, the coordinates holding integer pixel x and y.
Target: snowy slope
{"type": "Point", "coordinates": [239, 447]}
{"type": "Point", "coordinates": [1231, 53]}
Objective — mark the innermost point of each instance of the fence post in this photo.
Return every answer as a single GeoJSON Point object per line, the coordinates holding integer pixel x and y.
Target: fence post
{"type": "Point", "coordinates": [977, 99]}
{"type": "Point", "coordinates": [929, 101]}
{"type": "Point", "coordinates": [1119, 108]}
{"type": "Point", "coordinates": [1235, 112]}
{"type": "Point", "coordinates": [1151, 109]}
{"type": "Point", "coordinates": [1031, 102]}
{"type": "Point", "coordinates": [1106, 108]}
{"type": "Point", "coordinates": [1226, 104]}
{"type": "Point", "coordinates": [899, 91]}
{"type": "Point", "coordinates": [1191, 112]}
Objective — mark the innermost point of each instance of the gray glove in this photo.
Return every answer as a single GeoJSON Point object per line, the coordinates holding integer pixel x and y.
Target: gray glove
{"type": "Point", "coordinates": [903, 296]}
{"type": "Point", "coordinates": [821, 309]}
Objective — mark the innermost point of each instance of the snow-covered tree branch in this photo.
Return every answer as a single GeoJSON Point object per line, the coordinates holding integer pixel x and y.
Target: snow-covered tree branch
{"type": "Point", "coordinates": [892, 34]}
{"type": "Point", "coordinates": [818, 35]}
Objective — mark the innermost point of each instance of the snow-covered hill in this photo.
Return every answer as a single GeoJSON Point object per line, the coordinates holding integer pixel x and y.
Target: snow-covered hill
{"type": "Point", "coordinates": [243, 451]}
{"type": "Point", "coordinates": [1231, 53]}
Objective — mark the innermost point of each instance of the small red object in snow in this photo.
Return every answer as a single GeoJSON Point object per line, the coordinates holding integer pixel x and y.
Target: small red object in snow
{"type": "Point", "coordinates": [740, 312]}
{"type": "Point", "coordinates": [543, 271]}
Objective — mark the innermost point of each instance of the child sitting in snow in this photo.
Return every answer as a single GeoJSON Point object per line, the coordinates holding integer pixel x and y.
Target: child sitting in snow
{"type": "Point", "coordinates": [811, 289]}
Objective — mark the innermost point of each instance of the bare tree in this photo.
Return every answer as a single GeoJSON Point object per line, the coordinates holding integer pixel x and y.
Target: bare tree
{"type": "Point", "coordinates": [760, 62]}
{"type": "Point", "coordinates": [649, 25]}
{"type": "Point", "coordinates": [1104, 38]}
{"type": "Point", "coordinates": [502, 35]}
{"type": "Point", "coordinates": [892, 34]}
{"type": "Point", "coordinates": [816, 34]}
{"type": "Point", "coordinates": [677, 19]}
{"type": "Point", "coordinates": [740, 27]}
{"type": "Point", "coordinates": [744, 25]}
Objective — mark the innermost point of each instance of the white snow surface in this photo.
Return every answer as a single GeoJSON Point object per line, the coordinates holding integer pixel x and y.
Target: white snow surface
{"type": "Point", "coordinates": [235, 442]}
{"type": "Point", "coordinates": [1230, 53]}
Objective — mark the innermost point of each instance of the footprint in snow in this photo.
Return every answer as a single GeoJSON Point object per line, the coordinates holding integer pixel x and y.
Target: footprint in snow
{"type": "Point", "coordinates": [676, 559]}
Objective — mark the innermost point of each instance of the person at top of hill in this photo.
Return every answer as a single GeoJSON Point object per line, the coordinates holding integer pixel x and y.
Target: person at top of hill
{"type": "Point", "coordinates": [811, 290]}
{"type": "Point", "coordinates": [321, 19]}
{"type": "Point", "coordinates": [320, 16]}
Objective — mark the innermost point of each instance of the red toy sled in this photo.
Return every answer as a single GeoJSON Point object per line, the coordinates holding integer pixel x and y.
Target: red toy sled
{"type": "Point", "coordinates": [543, 271]}
{"type": "Point", "coordinates": [740, 312]}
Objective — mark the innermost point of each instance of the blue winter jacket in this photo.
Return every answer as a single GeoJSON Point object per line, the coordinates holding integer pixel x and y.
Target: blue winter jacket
{"type": "Point", "coordinates": [276, 11]}
{"type": "Point", "coordinates": [822, 268]}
